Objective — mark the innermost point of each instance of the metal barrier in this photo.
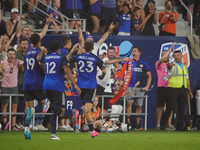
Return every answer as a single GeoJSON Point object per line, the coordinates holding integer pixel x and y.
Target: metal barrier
{"type": "Point", "coordinates": [103, 96]}
{"type": "Point", "coordinates": [10, 113]}
{"type": "Point", "coordinates": [124, 109]}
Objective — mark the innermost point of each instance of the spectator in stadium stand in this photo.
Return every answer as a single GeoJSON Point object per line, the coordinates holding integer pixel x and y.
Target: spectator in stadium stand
{"type": "Point", "coordinates": [54, 24]}
{"type": "Point", "coordinates": [142, 73]}
{"type": "Point", "coordinates": [137, 25]}
{"type": "Point", "coordinates": [150, 9]}
{"type": "Point", "coordinates": [190, 5]}
{"type": "Point", "coordinates": [95, 14]}
{"type": "Point", "coordinates": [26, 32]}
{"type": "Point", "coordinates": [73, 10]}
{"type": "Point", "coordinates": [108, 13]}
{"type": "Point", "coordinates": [124, 17]}
{"type": "Point", "coordinates": [9, 86]}
{"type": "Point", "coordinates": [12, 25]}
{"type": "Point", "coordinates": [5, 46]}
{"type": "Point", "coordinates": [20, 54]}
{"type": "Point", "coordinates": [140, 4]}
{"type": "Point", "coordinates": [168, 18]}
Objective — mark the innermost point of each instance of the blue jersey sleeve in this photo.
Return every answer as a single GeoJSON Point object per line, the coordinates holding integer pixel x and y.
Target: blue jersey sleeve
{"type": "Point", "coordinates": [100, 63]}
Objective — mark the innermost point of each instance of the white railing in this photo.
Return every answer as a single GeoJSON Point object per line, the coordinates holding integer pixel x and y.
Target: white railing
{"type": "Point", "coordinates": [103, 96]}
{"type": "Point", "coordinates": [64, 27]}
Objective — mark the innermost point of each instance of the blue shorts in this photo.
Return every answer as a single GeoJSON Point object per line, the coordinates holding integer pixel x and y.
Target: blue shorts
{"type": "Point", "coordinates": [56, 97]}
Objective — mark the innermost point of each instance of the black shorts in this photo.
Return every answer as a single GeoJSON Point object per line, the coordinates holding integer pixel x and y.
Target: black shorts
{"type": "Point", "coordinates": [69, 13]}
{"type": "Point", "coordinates": [97, 15]}
{"type": "Point", "coordinates": [31, 95]}
{"type": "Point", "coordinates": [162, 96]}
{"type": "Point", "coordinates": [56, 97]}
{"type": "Point", "coordinates": [88, 95]}
{"type": "Point", "coordinates": [108, 15]}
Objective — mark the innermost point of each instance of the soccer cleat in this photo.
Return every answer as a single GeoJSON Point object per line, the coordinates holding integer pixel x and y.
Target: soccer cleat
{"type": "Point", "coordinates": [46, 105]}
{"type": "Point", "coordinates": [54, 137]}
{"type": "Point", "coordinates": [73, 115]}
{"type": "Point", "coordinates": [94, 133]}
{"type": "Point", "coordinates": [27, 135]}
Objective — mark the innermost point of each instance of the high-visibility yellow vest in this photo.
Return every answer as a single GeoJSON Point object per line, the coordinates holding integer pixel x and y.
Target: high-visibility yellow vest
{"type": "Point", "coordinates": [177, 78]}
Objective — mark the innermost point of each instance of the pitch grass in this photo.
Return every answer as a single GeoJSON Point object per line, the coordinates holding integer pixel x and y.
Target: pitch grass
{"type": "Point", "coordinates": [133, 140]}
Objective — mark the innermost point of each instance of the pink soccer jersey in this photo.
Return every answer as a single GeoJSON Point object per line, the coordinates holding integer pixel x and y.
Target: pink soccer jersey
{"type": "Point", "coordinates": [162, 75]}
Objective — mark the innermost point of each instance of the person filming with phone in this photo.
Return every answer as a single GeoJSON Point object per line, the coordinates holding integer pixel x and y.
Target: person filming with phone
{"type": "Point", "coordinates": [167, 20]}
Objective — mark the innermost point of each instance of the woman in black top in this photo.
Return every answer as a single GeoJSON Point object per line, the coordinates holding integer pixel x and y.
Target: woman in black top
{"type": "Point", "coordinates": [150, 9]}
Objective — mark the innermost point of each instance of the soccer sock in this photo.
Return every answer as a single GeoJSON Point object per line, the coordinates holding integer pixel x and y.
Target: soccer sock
{"type": "Point", "coordinates": [53, 124]}
{"type": "Point", "coordinates": [56, 109]}
{"type": "Point", "coordinates": [90, 125]}
{"type": "Point", "coordinates": [81, 111]}
{"type": "Point", "coordinates": [38, 108]}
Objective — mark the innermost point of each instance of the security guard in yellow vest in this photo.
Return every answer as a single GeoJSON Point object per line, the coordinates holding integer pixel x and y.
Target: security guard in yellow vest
{"type": "Point", "coordinates": [179, 86]}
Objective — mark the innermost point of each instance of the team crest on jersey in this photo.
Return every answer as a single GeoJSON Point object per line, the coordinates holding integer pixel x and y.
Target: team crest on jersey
{"type": "Point", "coordinates": [141, 65]}
{"type": "Point", "coordinates": [177, 47]}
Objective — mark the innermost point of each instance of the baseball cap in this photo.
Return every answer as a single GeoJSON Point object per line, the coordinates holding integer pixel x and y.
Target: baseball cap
{"type": "Point", "coordinates": [89, 36]}
{"type": "Point", "coordinates": [150, 1]}
{"type": "Point", "coordinates": [14, 10]}
{"type": "Point", "coordinates": [102, 52]}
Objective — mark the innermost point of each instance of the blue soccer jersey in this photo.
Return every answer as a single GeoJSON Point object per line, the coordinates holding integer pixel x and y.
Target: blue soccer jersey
{"type": "Point", "coordinates": [34, 76]}
{"type": "Point", "coordinates": [139, 73]}
{"type": "Point", "coordinates": [54, 72]}
{"type": "Point", "coordinates": [124, 22]}
{"type": "Point", "coordinates": [87, 69]}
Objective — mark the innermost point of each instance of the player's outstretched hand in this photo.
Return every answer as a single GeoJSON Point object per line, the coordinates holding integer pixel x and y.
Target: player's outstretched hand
{"type": "Point", "coordinates": [78, 89]}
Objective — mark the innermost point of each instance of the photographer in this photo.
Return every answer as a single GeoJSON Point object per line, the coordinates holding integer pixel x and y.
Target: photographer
{"type": "Point", "coordinates": [167, 20]}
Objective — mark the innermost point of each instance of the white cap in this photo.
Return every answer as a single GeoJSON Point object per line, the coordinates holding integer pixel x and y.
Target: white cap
{"type": "Point", "coordinates": [102, 52]}
{"type": "Point", "coordinates": [14, 10]}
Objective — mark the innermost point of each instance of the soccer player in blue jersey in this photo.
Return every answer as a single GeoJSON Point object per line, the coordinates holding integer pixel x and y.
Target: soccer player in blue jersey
{"type": "Point", "coordinates": [56, 67]}
{"type": "Point", "coordinates": [33, 82]}
{"type": "Point", "coordinates": [141, 72]}
{"type": "Point", "coordinates": [87, 69]}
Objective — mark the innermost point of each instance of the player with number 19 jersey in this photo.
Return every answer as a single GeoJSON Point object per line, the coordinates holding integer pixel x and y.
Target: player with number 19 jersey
{"type": "Point", "coordinates": [87, 69]}
{"type": "Point", "coordinates": [54, 68]}
{"type": "Point", "coordinates": [34, 75]}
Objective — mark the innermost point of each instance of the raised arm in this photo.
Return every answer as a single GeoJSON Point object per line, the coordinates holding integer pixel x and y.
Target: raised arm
{"type": "Point", "coordinates": [105, 36]}
{"type": "Point", "coordinates": [72, 51]}
{"type": "Point", "coordinates": [161, 60]}
{"type": "Point", "coordinates": [45, 28]}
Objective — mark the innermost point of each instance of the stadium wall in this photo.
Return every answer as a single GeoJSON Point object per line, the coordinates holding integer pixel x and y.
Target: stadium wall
{"type": "Point", "coordinates": [151, 47]}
